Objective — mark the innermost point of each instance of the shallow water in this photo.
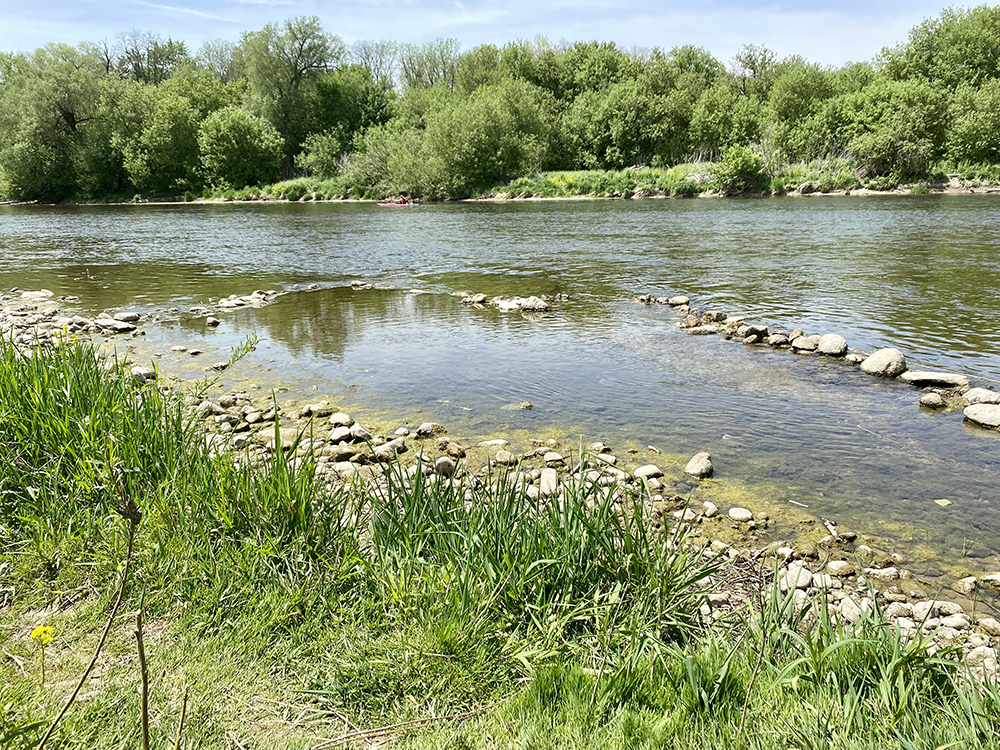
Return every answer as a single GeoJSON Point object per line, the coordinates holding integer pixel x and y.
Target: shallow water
{"type": "Point", "coordinates": [920, 273]}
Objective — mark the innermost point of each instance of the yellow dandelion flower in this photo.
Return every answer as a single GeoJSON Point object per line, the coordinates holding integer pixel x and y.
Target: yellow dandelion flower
{"type": "Point", "coordinates": [43, 634]}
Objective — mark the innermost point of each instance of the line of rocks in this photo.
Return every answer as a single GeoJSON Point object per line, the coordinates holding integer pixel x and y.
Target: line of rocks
{"type": "Point", "coordinates": [532, 304]}
{"type": "Point", "coordinates": [944, 390]}
{"type": "Point", "coordinates": [37, 318]}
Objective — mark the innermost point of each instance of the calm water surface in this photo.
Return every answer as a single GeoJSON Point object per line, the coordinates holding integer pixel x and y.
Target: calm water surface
{"type": "Point", "coordinates": [919, 273]}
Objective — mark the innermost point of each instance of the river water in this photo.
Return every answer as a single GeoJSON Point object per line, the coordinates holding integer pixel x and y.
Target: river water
{"type": "Point", "coordinates": [921, 273]}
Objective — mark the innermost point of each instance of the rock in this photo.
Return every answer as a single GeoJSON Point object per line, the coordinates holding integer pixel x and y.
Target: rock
{"type": "Point", "coordinates": [966, 586]}
{"type": "Point", "coordinates": [319, 410]}
{"type": "Point", "coordinates": [212, 322]}
{"type": "Point", "coordinates": [923, 611]}
{"type": "Point", "coordinates": [979, 657]}
{"type": "Point", "coordinates": [340, 434]}
{"type": "Point", "coordinates": [932, 401]}
{"type": "Point", "coordinates": [777, 340]}
{"type": "Point", "coordinates": [796, 576]}
{"type": "Point", "coordinates": [882, 574]}
{"type": "Point", "coordinates": [552, 458]}
{"type": "Point", "coordinates": [445, 466]}
{"type": "Point", "coordinates": [340, 419]}
{"type": "Point", "coordinates": [506, 458]}
{"type": "Point", "coordinates": [534, 304]}
{"type": "Point", "coordinates": [741, 515]}
{"type": "Point", "coordinates": [981, 396]}
{"type": "Point", "coordinates": [989, 625]}
{"type": "Point", "coordinates": [41, 294]}
{"type": "Point", "coordinates": [804, 344]}
{"type": "Point", "coordinates": [926, 378]}
{"type": "Point", "coordinates": [402, 432]}
{"type": "Point", "coordinates": [143, 374]}
{"type": "Point", "coordinates": [455, 450]}
{"type": "Point", "coordinates": [128, 317]}
{"type": "Point", "coordinates": [840, 568]}
{"type": "Point", "coordinates": [525, 405]}
{"type": "Point", "coordinates": [885, 363]}
{"type": "Point", "coordinates": [832, 345]}
{"type": "Point", "coordinates": [702, 330]}
{"type": "Point", "coordinates": [388, 451]}
{"type": "Point", "coordinates": [710, 510]}
{"type": "Point", "coordinates": [220, 366]}
{"type": "Point", "coordinates": [700, 466]}
{"type": "Point", "coordinates": [549, 482]}
{"type": "Point", "coordinates": [850, 610]}
{"type": "Point", "coordinates": [854, 359]}
{"type": "Point", "coordinates": [114, 326]}
{"type": "Point", "coordinates": [898, 609]}
{"type": "Point", "coordinates": [499, 443]}
{"type": "Point", "coordinates": [649, 471]}
{"type": "Point", "coordinates": [992, 582]}
{"type": "Point", "coordinates": [475, 299]}
{"type": "Point", "coordinates": [713, 316]}
{"type": "Point", "coordinates": [428, 429]}
{"type": "Point", "coordinates": [679, 300]}
{"type": "Point", "coordinates": [959, 622]}
{"type": "Point", "coordinates": [824, 581]}
{"type": "Point", "coordinates": [987, 415]}
{"type": "Point", "coordinates": [687, 515]}
{"type": "Point", "coordinates": [359, 433]}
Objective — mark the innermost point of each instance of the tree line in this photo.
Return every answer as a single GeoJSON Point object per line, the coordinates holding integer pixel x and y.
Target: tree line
{"type": "Point", "coordinates": [146, 116]}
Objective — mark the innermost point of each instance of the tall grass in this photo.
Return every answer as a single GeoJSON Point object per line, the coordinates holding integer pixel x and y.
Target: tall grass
{"type": "Point", "coordinates": [567, 623]}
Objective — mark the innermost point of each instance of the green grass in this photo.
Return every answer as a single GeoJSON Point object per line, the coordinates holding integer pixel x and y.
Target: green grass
{"type": "Point", "coordinates": [295, 611]}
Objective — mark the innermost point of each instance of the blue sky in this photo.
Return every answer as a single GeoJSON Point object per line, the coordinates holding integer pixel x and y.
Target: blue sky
{"type": "Point", "coordinates": [830, 33]}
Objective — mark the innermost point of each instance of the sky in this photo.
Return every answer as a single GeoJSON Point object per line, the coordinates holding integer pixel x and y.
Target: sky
{"type": "Point", "coordinates": [825, 32]}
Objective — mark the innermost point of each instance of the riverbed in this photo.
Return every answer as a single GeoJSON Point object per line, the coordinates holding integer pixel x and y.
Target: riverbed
{"type": "Point", "coordinates": [920, 273]}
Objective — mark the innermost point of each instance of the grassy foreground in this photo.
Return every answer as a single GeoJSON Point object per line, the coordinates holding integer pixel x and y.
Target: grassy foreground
{"type": "Point", "coordinates": [406, 611]}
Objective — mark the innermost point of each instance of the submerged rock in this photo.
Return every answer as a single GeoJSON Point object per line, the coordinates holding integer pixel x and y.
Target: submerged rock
{"type": "Point", "coordinates": [885, 363]}
{"type": "Point", "coordinates": [932, 400]}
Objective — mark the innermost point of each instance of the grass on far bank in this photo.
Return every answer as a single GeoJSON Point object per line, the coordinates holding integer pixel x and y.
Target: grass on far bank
{"type": "Point", "coordinates": [299, 617]}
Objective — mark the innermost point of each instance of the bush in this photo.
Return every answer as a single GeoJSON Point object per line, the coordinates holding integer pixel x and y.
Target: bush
{"type": "Point", "coordinates": [239, 149]}
{"type": "Point", "coordinates": [739, 170]}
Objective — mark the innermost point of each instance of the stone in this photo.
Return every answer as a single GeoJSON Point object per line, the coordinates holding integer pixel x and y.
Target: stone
{"type": "Point", "coordinates": [923, 611]}
{"type": "Point", "coordinates": [499, 443]}
{"type": "Point", "coordinates": [687, 515]}
{"type": "Point", "coordinates": [850, 610]}
{"type": "Point", "coordinates": [702, 330]}
{"type": "Point", "coordinates": [678, 300]}
{"type": "Point", "coordinates": [114, 326]}
{"type": "Point", "coordinates": [885, 363]}
{"type": "Point", "coordinates": [777, 340]}
{"type": "Point", "coordinates": [959, 621]}
{"type": "Point", "coordinates": [987, 415]}
{"type": "Point", "coordinates": [455, 450]}
{"type": "Point", "coordinates": [143, 374]}
{"type": "Point", "coordinates": [898, 609]}
{"type": "Point", "coordinates": [519, 405]}
{"type": "Point", "coordinates": [388, 451]}
{"type": "Point", "coordinates": [740, 515]}
{"type": "Point", "coordinates": [824, 581]}
{"type": "Point", "coordinates": [649, 471]}
{"type": "Point", "coordinates": [804, 344]}
{"type": "Point", "coordinates": [932, 400]}
{"type": "Point", "coordinates": [212, 322]}
{"type": "Point", "coordinates": [713, 316]}
{"type": "Point", "coordinates": [981, 396]}
{"type": "Point", "coordinates": [552, 458]}
{"type": "Point", "coordinates": [840, 568]}
{"type": "Point", "coordinates": [220, 366]}
{"type": "Point", "coordinates": [992, 582]}
{"type": "Point", "coordinates": [923, 378]}
{"type": "Point", "coordinates": [549, 482]}
{"type": "Point", "coordinates": [340, 419]}
{"type": "Point", "coordinates": [340, 434]}
{"type": "Point", "coordinates": [700, 466]}
{"type": "Point", "coordinates": [445, 466]}
{"type": "Point", "coordinates": [401, 432]}
{"type": "Point", "coordinates": [533, 304]}
{"type": "Point", "coordinates": [319, 410]}
{"type": "Point", "coordinates": [989, 625]}
{"type": "Point", "coordinates": [882, 574]}
{"type": "Point", "coordinates": [979, 656]}
{"type": "Point", "coordinates": [966, 586]}
{"type": "Point", "coordinates": [832, 345]}
{"type": "Point", "coordinates": [710, 510]}
{"type": "Point", "coordinates": [128, 317]}
{"type": "Point", "coordinates": [428, 429]}
{"type": "Point", "coordinates": [506, 458]}
{"type": "Point", "coordinates": [359, 433]}
{"type": "Point", "coordinates": [797, 576]}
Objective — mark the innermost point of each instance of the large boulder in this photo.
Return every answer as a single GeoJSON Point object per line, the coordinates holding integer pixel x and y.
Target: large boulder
{"type": "Point", "coordinates": [885, 363]}
{"type": "Point", "coordinates": [987, 415]}
{"type": "Point", "coordinates": [832, 345]}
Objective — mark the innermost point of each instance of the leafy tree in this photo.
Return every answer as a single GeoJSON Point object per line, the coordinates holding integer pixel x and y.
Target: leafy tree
{"type": "Point", "coordinates": [218, 57]}
{"type": "Point", "coordinates": [278, 62]}
{"type": "Point", "coordinates": [164, 158]}
{"type": "Point", "coordinates": [380, 58]}
{"type": "Point", "coordinates": [496, 134]}
{"type": "Point", "coordinates": [797, 95]}
{"type": "Point", "coordinates": [974, 135]}
{"type": "Point", "coordinates": [479, 66]}
{"type": "Point", "coordinates": [723, 117]}
{"type": "Point", "coordinates": [394, 159]}
{"type": "Point", "coordinates": [739, 170]}
{"type": "Point", "coordinates": [203, 91]}
{"type": "Point", "coordinates": [239, 148]}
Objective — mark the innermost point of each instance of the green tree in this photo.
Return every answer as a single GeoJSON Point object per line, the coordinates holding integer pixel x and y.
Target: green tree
{"type": "Point", "coordinates": [723, 117]}
{"type": "Point", "coordinates": [496, 134]}
{"type": "Point", "coordinates": [974, 134]}
{"type": "Point", "coordinates": [164, 158]}
{"type": "Point", "coordinates": [430, 64]}
{"type": "Point", "coordinates": [147, 58]}
{"type": "Point", "coordinates": [239, 148]}
{"type": "Point", "coordinates": [279, 62]}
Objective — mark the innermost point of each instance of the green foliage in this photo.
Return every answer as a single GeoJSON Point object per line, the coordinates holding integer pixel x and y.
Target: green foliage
{"type": "Point", "coordinates": [975, 132]}
{"type": "Point", "coordinates": [239, 149]}
{"type": "Point", "coordinates": [739, 170]}
{"type": "Point", "coordinates": [165, 158]}
{"type": "Point", "coordinates": [498, 133]}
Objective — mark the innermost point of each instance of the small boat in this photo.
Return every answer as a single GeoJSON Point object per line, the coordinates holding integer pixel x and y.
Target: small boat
{"type": "Point", "coordinates": [393, 204]}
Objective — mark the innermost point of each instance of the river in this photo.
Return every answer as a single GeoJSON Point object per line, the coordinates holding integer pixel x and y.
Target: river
{"type": "Point", "coordinates": [921, 273]}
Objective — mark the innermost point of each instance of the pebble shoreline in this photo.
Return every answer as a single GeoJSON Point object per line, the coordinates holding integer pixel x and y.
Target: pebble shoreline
{"type": "Point", "coordinates": [850, 576]}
